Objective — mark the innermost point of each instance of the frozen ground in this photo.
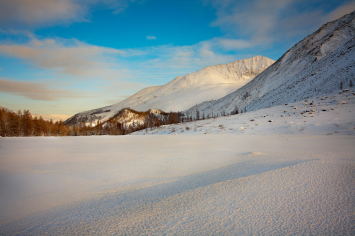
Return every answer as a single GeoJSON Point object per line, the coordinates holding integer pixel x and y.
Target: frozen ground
{"type": "Point", "coordinates": [286, 177]}
{"type": "Point", "coordinates": [191, 184]}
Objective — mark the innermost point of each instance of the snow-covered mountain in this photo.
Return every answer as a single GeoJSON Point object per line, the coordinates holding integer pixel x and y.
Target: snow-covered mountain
{"type": "Point", "coordinates": [128, 117]}
{"type": "Point", "coordinates": [212, 82]}
{"type": "Point", "coordinates": [321, 63]}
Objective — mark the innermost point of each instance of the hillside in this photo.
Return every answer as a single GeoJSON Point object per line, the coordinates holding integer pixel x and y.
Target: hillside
{"type": "Point", "coordinates": [332, 114]}
{"type": "Point", "coordinates": [321, 63]}
{"type": "Point", "coordinates": [212, 82]}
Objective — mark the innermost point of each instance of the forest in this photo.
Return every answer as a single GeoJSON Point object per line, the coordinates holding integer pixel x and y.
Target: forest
{"type": "Point", "coordinates": [23, 124]}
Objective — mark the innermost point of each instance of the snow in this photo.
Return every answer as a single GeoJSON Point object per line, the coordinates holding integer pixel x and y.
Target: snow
{"type": "Point", "coordinates": [285, 177]}
{"type": "Point", "coordinates": [183, 92]}
{"type": "Point", "coordinates": [332, 113]}
{"type": "Point", "coordinates": [192, 184]}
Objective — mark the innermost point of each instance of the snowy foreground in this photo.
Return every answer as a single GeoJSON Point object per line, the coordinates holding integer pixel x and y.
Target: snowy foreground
{"type": "Point", "coordinates": [275, 178]}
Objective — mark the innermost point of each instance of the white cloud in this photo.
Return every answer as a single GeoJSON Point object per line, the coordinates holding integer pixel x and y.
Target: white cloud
{"type": "Point", "coordinates": [70, 57]}
{"type": "Point", "coordinates": [260, 22]}
{"type": "Point", "coordinates": [34, 13]}
{"type": "Point", "coordinates": [36, 91]}
{"type": "Point", "coordinates": [40, 12]}
{"type": "Point", "coordinates": [340, 11]}
{"type": "Point", "coordinates": [234, 44]}
{"type": "Point", "coordinates": [151, 37]}
{"type": "Point", "coordinates": [185, 59]}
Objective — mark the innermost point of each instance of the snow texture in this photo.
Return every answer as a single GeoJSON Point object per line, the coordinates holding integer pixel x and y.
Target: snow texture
{"type": "Point", "coordinates": [183, 92]}
{"type": "Point", "coordinates": [317, 65]}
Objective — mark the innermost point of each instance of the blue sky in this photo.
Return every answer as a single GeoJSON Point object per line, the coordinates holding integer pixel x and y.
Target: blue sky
{"type": "Point", "coordinates": [60, 57]}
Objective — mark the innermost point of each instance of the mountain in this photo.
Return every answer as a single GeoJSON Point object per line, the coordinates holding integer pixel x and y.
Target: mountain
{"type": "Point", "coordinates": [128, 120]}
{"type": "Point", "coordinates": [323, 115]}
{"type": "Point", "coordinates": [321, 63]}
{"type": "Point", "coordinates": [212, 82]}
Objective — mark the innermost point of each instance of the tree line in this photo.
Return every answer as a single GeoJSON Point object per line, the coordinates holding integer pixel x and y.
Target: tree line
{"type": "Point", "coordinates": [23, 124]}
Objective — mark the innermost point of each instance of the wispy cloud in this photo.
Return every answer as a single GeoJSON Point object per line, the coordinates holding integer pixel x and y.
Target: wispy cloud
{"type": "Point", "coordinates": [36, 91]}
{"type": "Point", "coordinates": [151, 37]}
{"type": "Point", "coordinates": [192, 57]}
{"type": "Point", "coordinates": [68, 57]}
{"type": "Point", "coordinates": [260, 22]}
{"type": "Point", "coordinates": [18, 13]}
{"type": "Point", "coordinates": [84, 61]}
{"type": "Point", "coordinates": [340, 11]}
{"type": "Point", "coordinates": [34, 13]}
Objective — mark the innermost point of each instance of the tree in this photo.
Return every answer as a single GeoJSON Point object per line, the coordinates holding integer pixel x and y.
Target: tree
{"type": "Point", "coordinates": [27, 123]}
{"type": "Point", "coordinates": [3, 128]}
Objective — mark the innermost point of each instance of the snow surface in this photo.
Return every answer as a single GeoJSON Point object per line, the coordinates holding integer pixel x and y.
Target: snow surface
{"type": "Point", "coordinates": [274, 178]}
{"type": "Point", "coordinates": [212, 82]}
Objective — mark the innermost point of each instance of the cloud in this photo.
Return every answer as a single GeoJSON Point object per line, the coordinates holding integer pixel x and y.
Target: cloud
{"type": "Point", "coordinates": [83, 61]}
{"type": "Point", "coordinates": [193, 57]}
{"type": "Point", "coordinates": [165, 62]}
{"type": "Point", "coordinates": [151, 37]}
{"type": "Point", "coordinates": [341, 11]}
{"type": "Point", "coordinates": [70, 57]}
{"type": "Point", "coordinates": [234, 43]}
{"type": "Point", "coordinates": [36, 91]}
{"type": "Point", "coordinates": [40, 12]}
{"type": "Point", "coordinates": [260, 22]}
{"type": "Point", "coordinates": [36, 13]}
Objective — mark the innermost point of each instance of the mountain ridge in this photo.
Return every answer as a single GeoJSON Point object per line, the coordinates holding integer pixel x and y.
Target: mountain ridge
{"type": "Point", "coordinates": [181, 93]}
{"type": "Point", "coordinates": [318, 64]}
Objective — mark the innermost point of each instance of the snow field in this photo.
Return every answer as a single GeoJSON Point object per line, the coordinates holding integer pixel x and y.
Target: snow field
{"type": "Point", "coordinates": [222, 184]}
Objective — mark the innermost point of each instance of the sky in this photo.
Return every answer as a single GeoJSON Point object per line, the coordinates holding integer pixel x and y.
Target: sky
{"type": "Point", "coordinates": [61, 57]}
